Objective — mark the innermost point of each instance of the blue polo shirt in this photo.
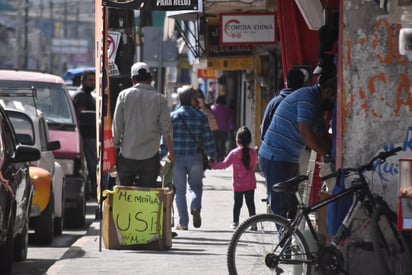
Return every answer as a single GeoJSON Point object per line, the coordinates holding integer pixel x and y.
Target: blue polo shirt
{"type": "Point", "coordinates": [282, 141]}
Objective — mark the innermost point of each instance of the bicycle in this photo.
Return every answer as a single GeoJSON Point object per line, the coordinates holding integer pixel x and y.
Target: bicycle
{"type": "Point", "coordinates": [271, 244]}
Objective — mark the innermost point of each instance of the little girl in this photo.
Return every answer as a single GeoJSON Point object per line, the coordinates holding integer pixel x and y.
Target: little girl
{"type": "Point", "coordinates": [244, 160]}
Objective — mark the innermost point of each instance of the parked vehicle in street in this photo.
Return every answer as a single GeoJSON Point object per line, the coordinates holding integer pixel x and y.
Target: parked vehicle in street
{"type": "Point", "coordinates": [15, 195]}
{"type": "Point", "coordinates": [52, 98]}
{"type": "Point", "coordinates": [47, 209]}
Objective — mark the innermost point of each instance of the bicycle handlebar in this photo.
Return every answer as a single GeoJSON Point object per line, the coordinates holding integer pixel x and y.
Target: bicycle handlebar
{"type": "Point", "coordinates": [381, 156]}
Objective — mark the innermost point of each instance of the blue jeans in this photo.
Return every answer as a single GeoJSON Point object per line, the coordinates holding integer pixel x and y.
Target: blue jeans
{"type": "Point", "coordinates": [188, 169]}
{"type": "Point", "coordinates": [281, 203]}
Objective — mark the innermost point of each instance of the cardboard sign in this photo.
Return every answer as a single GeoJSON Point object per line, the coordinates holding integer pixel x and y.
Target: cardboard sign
{"type": "Point", "coordinates": [137, 215]}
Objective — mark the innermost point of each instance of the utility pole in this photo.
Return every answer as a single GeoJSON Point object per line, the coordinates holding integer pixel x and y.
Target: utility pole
{"type": "Point", "coordinates": [26, 34]}
{"type": "Point", "coordinates": [19, 30]}
{"type": "Point", "coordinates": [77, 21]}
{"type": "Point", "coordinates": [51, 38]}
{"type": "Point", "coordinates": [40, 50]}
{"type": "Point", "coordinates": [65, 19]}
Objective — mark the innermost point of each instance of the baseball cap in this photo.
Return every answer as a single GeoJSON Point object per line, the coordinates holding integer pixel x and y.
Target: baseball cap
{"type": "Point", "coordinates": [140, 68]}
{"type": "Point", "coordinates": [318, 70]}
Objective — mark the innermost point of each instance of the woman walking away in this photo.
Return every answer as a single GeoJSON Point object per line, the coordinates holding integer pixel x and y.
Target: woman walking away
{"type": "Point", "coordinates": [244, 161]}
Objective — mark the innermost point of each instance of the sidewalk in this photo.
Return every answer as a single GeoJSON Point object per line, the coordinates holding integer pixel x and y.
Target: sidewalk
{"type": "Point", "coordinates": [198, 250]}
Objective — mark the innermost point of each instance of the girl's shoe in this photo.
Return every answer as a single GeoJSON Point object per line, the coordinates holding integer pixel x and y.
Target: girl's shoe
{"type": "Point", "coordinates": [234, 225]}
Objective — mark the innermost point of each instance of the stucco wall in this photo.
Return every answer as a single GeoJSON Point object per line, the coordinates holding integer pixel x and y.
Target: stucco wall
{"type": "Point", "coordinates": [376, 102]}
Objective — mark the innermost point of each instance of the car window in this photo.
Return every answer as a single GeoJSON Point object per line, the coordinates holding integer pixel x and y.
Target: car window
{"type": "Point", "coordinates": [52, 99]}
{"type": "Point", "coordinates": [54, 103]}
{"type": "Point", "coordinates": [8, 136]}
{"type": "Point", "coordinates": [2, 145]}
{"type": "Point", "coordinates": [23, 127]}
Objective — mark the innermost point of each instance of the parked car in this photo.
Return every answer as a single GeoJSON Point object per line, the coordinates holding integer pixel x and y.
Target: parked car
{"type": "Point", "coordinates": [54, 101]}
{"type": "Point", "coordinates": [47, 207]}
{"type": "Point", "coordinates": [15, 195]}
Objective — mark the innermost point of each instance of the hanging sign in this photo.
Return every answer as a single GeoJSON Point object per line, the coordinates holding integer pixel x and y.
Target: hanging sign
{"type": "Point", "coordinates": [214, 49]}
{"type": "Point", "coordinates": [123, 4]}
{"type": "Point", "coordinates": [247, 28]}
{"type": "Point", "coordinates": [231, 63]}
{"type": "Point", "coordinates": [175, 5]}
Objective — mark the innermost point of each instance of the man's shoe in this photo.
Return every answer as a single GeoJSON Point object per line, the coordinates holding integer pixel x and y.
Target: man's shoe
{"type": "Point", "coordinates": [180, 227]}
{"type": "Point", "coordinates": [234, 225]}
{"type": "Point", "coordinates": [197, 221]}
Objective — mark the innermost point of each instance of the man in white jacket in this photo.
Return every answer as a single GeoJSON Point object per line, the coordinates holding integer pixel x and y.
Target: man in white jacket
{"type": "Point", "coordinates": [141, 117]}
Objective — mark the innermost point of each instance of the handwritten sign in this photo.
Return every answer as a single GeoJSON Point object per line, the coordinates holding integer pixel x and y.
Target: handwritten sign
{"type": "Point", "coordinates": [137, 215]}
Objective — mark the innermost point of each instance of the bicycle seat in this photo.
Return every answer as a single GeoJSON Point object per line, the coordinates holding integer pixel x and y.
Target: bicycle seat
{"type": "Point", "coordinates": [291, 185]}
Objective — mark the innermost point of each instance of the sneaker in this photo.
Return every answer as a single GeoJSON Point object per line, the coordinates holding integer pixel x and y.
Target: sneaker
{"type": "Point", "coordinates": [180, 227]}
{"type": "Point", "coordinates": [234, 225]}
{"type": "Point", "coordinates": [253, 227]}
{"type": "Point", "coordinates": [197, 221]}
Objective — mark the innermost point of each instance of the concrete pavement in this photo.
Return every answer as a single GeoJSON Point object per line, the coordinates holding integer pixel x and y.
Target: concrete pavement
{"type": "Point", "coordinates": [198, 250]}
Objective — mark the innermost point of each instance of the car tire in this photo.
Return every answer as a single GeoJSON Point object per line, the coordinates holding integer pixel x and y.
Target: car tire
{"type": "Point", "coordinates": [44, 224]}
{"type": "Point", "coordinates": [21, 244]}
{"type": "Point", "coordinates": [6, 250]}
{"type": "Point", "coordinates": [59, 221]}
{"type": "Point", "coordinates": [76, 218]}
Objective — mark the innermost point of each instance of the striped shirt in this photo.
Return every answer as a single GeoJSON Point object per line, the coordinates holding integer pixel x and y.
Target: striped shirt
{"type": "Point", "coordinates": [187, 142]}
{"type": "Point", "coordinates": [282, 141]}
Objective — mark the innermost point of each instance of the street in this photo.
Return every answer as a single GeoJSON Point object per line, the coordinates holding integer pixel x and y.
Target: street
{"type": "Point", "coordinates": [41, 258]}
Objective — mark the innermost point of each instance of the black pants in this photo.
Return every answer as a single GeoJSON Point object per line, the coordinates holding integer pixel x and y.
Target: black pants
{"type": "Point", "coordinates": [220, 138]}
{"type": "Point", "coordinates": [250, 203]}
{"type": "Point", "coordinates": [142, 173]}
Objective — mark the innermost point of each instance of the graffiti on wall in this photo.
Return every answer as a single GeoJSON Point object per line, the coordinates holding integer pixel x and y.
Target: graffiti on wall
{"type": "Point", "coordinates": [385, 34]}
{"type": "Point", "coordinates": [388, 170]}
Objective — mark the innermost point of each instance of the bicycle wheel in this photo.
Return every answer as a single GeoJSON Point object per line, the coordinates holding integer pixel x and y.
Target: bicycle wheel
{"type": "Point", "coordinates": [255, 248]}
{"type": "Point", "coordinates": [389, 245]}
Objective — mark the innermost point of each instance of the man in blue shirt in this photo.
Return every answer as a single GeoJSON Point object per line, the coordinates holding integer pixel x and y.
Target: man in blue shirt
{"type": "Point", "coordinates": [294, 79]}
{"type": "Point", "coordinates": [191, 134]}
{"type": "Point", "coordinates": [297, 122]}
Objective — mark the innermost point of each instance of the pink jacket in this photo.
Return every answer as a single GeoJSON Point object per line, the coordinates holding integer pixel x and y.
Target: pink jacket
{"type": "Point", "coordinates": [243, 179]}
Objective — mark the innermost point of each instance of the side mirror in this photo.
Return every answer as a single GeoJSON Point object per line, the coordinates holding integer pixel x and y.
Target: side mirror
{"type": "Point", "coordinates": [26, 153]}
{"type": "Point", "coordinates": [53, 145]}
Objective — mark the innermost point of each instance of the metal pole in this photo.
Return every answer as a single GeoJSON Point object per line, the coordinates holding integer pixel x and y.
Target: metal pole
{"type": "Point", "coordinates": [40, 50]}
{"type": "Point", "coordinates": [160, 65]}
{"type": "Point", "coordinates": [19, 17]}
{"type": "Point", "coordinates": [51, 38]}
{"type": "Point", "coordinates": [26, 33]}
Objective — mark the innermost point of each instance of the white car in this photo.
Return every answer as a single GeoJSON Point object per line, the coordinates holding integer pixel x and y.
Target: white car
{"type": "Point", "coordinates": [48, 203]}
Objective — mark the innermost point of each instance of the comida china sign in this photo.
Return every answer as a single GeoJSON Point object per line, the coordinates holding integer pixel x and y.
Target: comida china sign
{"type": "Point", "coordinates": [248, 28]}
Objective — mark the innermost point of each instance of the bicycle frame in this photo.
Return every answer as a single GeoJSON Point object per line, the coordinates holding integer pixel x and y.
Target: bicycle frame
{"type": "Point", "coordinates": [294, 250]}
{"type": "Point", "coordinates": [304, 211]}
